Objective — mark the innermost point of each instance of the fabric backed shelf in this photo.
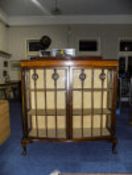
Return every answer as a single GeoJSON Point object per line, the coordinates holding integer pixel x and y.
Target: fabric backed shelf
{"type": "Point", "coordinates": [61, 133]}
{"type": "Point", "coordinates": [74, 89]}
{"type": "Point", "coordinates": [62, 112]}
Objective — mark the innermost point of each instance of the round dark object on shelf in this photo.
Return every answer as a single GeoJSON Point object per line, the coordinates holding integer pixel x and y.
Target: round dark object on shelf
{"type": "Point", "coordinates": [45, 41]}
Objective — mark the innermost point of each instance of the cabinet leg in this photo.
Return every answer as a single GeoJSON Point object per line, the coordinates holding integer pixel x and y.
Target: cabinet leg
{"type": "Point", "coordinates": [24, 151]}
{"type": "Point", "coordinates": [114, 143]}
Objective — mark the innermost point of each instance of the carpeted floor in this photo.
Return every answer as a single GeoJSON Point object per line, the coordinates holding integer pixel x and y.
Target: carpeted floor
{"type": "Point", "coordinates": [95, 174]}
{"type": "Point", "coordinates": [88, 157]}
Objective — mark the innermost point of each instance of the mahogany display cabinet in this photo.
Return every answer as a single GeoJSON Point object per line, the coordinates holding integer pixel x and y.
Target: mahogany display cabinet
{"type": "Point", "coordinates": [69, 99]}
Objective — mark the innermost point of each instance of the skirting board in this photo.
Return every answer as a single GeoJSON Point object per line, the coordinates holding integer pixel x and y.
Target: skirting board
{"type": "Point", "coordinates": [57, 172]}
{"type": "Point", "coordinates": [96, 174]}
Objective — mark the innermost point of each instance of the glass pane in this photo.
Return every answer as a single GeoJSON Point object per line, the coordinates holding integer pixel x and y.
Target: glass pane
{"type": "Point", "coordinates": [62, 122]}
{"type": "Point", "coordinates": [88, 80]}
{"type": "Point", "coordinates": [76, 81]}
{"type": "Point", "coordinates": [49, 80]}
{"type": "Point", "coordinates": [87, 100]}
{"type": "Point", "coordinates": [77, 100]}
{"type": "Point", "coordinates": [97, 99]}
{"type": "Point", "coordinates": [50, 100]}
{"type": "Point", "coordinates": [62, 78]}
{"type": "Point", "coordinates": [97, 121]}
{"type": "Point", "coordinates": [31, 80]}
{"type": "Point", "coordinates": [32, 100]}
{"type": "Point", "coordinates": [97, 81]}
{"type": "Point", "coordinates": [51, 122]}
{"type": "Point", "coordinates": [40, 80]}
{"type": "Point", "coordinates": [105, 85]}
{"type": "Point", "coordinates": [77, 127]}
{"type": "Point", "coordinates": [105, 101]}
{"type": "Point", "coordinates": [87, 121]}
{"type": "Point", "coordinates": [37, 100]}
{"type": "Point", "coordinates": [61, 100]}
{"type": "Point", "coordinates": [40, 100]}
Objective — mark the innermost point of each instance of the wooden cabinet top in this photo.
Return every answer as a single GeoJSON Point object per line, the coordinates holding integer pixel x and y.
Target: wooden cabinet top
{"type": "Point", "coordinates": [69, 61]}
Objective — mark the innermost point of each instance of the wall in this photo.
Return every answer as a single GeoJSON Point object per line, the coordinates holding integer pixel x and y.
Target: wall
{"type": "Point", "coordinates": [67, 36]}
{"type": "Point", "coordinates": [3, 37]}
{"type": "Point", "coordinates": [18, 36]}
{"type": "Point", "coordinates": [3, 47]}
{"type": "Point", "coordinates": [109, 35]}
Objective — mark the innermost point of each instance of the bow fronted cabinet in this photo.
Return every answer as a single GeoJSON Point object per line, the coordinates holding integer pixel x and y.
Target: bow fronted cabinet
{"type": "Point", "coordinates": [69, 99]}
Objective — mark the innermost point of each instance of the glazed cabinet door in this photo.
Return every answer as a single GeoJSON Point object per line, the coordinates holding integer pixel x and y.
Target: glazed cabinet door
{"type": "Point", "coordinates": [46, 102]}
{"type": "Point", "coordinates": [92, 92]}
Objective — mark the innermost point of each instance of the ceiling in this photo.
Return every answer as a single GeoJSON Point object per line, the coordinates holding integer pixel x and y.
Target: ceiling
{"type": "Point", "coordinates": [68, 7]}
{"type": "Point", "coordinates": [40, 12]}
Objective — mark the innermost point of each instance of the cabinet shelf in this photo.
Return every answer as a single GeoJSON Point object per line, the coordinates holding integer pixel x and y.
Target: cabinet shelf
{"type": "Point", "coordinates": [47, 89]}
{"type": "Point", "coordinates": [75, 89]}
{"type": "Point", "coordinates": [50, 112]}
{"type": "Point", "coordinates": [61, 133]}
{"type": "Point", "coordinates": [91, 89]}
{"type": "Point", "coordinates": [62, 112]}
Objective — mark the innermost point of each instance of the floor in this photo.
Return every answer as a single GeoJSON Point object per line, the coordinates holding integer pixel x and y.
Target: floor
{"type": "Point", "coordinates": [88, 157]}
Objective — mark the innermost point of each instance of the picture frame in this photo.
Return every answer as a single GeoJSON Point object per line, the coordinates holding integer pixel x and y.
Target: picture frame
{"type": "Point", "coordinates": [91, 52]}
{"type": "Point", "coordinates": [32, 47]}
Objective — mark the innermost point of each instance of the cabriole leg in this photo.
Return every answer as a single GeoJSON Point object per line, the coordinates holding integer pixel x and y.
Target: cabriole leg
{"type": "Point", "coordinates": [24, 146]}
{"type": "Point", "coordinates": [24, 151]}
{"type": "Point", "coordinates": [114, 144]}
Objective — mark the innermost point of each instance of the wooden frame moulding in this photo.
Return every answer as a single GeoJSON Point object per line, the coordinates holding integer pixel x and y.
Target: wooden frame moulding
{"type": "Point", "coordinates": [69, 64]}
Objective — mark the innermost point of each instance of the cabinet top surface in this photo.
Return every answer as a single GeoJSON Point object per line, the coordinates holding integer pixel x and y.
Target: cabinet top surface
{"type": "Point", "coordinates": [69, 61]}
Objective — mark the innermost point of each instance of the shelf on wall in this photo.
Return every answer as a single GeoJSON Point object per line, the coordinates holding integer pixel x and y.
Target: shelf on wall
{"type": "Point", "coordinates": [3, 53]}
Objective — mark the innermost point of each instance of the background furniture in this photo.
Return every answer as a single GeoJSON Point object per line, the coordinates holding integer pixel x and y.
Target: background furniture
{"type": "Point", "coordinates": [125, 75]}
{"type": "Point", "coordinates": [124, 84]}
{"type": "Point", "coordinates": [69, 99]}
{"type": "Point", "coordinates": [10, 89]}
{"type": "Point", "coordinates": [130, 99]}
{"type": "Point", "coordinates": [4, 121]}
{"type": "Point", "coordinates": [4, 65]}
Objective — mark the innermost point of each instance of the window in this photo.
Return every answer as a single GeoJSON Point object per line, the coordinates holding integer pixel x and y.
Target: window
{"type": "Point", "coordinates": [122, 65]}
{"type": "Point", "coordinates": [126, 45]}
{"type": "Point", "coordinates": [130, 65]}
{"type": "Point", "coordinates": [125, 56]}
{"type": "Point", "coordinates": [89, 46]}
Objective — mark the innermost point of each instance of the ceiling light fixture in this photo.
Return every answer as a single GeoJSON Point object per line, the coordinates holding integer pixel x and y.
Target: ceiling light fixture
{"type": "Point", "coordinates": [42, 8]}
{"type": "Point", "coordinates": [56, 10]}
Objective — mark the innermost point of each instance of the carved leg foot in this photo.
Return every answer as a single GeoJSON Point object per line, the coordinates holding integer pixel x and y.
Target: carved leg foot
{"type": "Point", "coordinates": [24, 151]}
{"type": "Point", "coordinates": [114, 143]}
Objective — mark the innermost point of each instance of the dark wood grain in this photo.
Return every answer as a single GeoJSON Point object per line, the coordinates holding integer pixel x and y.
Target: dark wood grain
{"type": "Point", "coordinates": [69, 64]}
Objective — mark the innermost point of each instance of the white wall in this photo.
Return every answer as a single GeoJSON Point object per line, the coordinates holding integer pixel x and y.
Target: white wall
{"type": "Point", "coordinates": [3, 37]}
{"type": "Point", "coordinates": [18, 36]}
{"type": "Point", "coordinates": [3, 47]}
{"type": "Point", "coordinates": [65, 36]}
{"type": "Point", "coordinates": [109, 35]}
